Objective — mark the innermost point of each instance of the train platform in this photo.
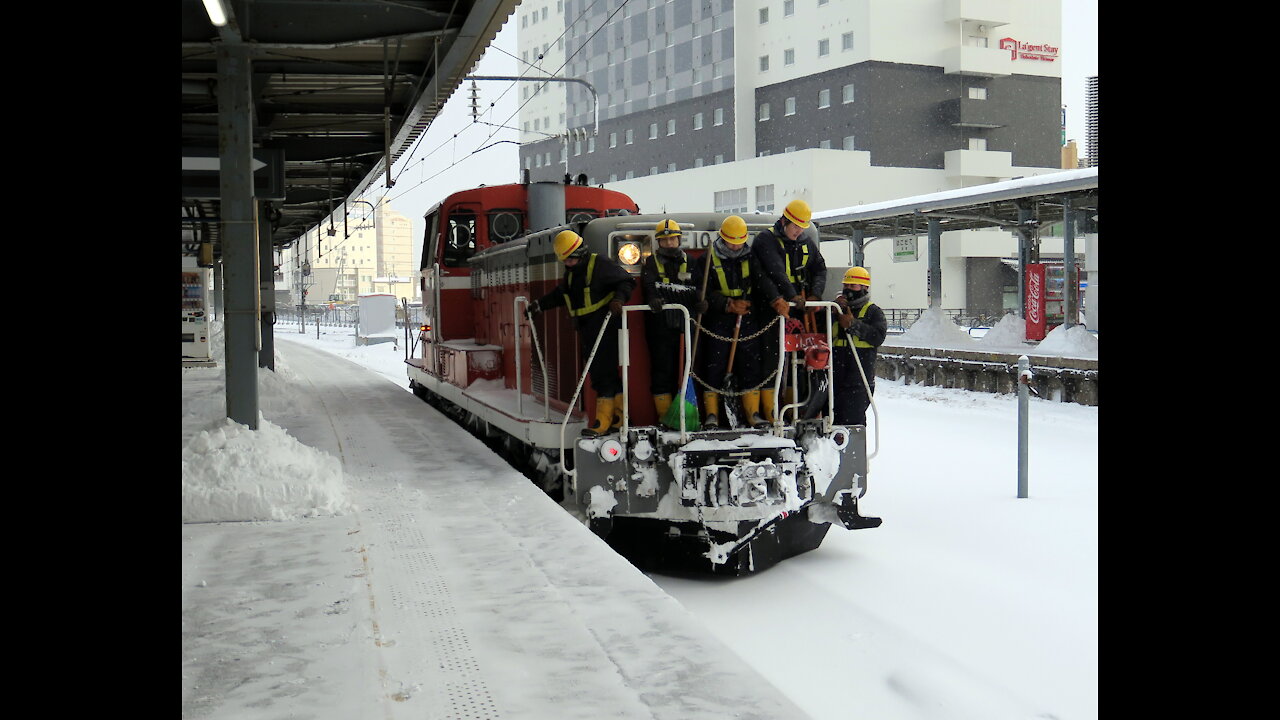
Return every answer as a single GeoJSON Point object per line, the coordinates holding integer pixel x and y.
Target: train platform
{"type": "Point", "coordinates": [410, 573]}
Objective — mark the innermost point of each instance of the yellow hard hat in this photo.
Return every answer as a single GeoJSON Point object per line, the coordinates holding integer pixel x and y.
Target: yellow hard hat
{"type": "Point", "coordinates": [666, 228]}
{"type": "Point", "coordinates": [734, 230]}
{"type": "Point", "coordinates": [798, 212]}
{"type": "Point", "coordinates": [857, 276]}
{"type": "Point", "coordinates": [566, 243]}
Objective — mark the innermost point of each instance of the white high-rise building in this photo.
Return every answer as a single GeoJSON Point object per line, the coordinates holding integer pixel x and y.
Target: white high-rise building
{"type": "Point", "coordinates": [1091, 120]}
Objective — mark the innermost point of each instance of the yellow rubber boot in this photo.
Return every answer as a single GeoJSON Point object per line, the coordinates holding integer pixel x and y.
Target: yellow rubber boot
{"type": "Point", "coordinates": [766, 405]}
{"type": "Point", "coordinates": [618, 406]}
{"type": "Point", "coordinates": [661, 403]}
{"type": "Point", "coordinates": [604, 418]}
{"type": "Point", "coordinates": [712, 403]}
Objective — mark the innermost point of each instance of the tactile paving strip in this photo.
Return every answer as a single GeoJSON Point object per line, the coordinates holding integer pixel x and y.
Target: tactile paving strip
{"type": "Point", "coordinates": [422, 617]}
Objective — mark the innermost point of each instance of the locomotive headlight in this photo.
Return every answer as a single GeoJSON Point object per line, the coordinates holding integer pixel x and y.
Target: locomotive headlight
{"type": "Point", "coordinates": [629, 253]}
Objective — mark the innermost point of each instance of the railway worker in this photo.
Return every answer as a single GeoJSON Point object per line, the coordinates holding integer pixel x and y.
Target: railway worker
{"type": "Point", "coordinates": [865, 323]}
{"type": "Point", "coordinates": [795, 266]}
{"type": "Point", "coordinates": [593, 288]}
{"type": "Point", "coordinates": [736, 290]}
{"type": "Point", "coordinates": [667, 279]}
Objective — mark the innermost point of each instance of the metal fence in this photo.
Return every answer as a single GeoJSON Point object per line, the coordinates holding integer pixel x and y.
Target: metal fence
{"type": "Point", "coordinates": [901, 320]}
{"type": "Point", "coordinates": [336, 317]}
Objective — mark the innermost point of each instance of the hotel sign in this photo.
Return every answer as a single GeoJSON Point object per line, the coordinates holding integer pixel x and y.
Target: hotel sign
{"type": "Point", "coordinates": [1027, 51]}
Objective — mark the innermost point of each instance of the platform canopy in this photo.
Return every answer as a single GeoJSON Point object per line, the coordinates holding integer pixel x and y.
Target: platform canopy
{"type": "Point", "coordinates": [340, 89]}
{"type": "Point", "coordinates": [991, 205]}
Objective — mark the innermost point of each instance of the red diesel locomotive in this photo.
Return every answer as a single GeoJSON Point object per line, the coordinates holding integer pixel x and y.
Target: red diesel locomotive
{"type": "Point", "coordinates": [729, 501]}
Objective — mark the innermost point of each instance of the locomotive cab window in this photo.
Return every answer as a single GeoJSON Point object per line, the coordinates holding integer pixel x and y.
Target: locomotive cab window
{"type": "Point", "coordinates": [505, 224]}
{"type": "Point", "coordinates": [429, 243]}
{"type": "Point", "coordinates": [460, 243]}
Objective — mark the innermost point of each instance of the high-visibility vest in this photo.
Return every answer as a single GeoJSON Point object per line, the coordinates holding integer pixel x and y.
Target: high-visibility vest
{"type": "Point", "coordinates": [662, 269]}
{"type": "Point", "coordinates": [797, 276]}
{"type": "Point", "coordinates": [840, 340]}
{"type": "Point", "coordinates": [588, 306]}
{"type": "Point", "coordinates": [724, 282]}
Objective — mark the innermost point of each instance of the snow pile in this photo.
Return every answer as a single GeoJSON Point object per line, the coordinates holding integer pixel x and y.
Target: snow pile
{"type": "Point", "coordinates": [935, 329]}
{"type": "Point", "coordinates": [1010, 332]}
{"type": "Point", "coordinates": [1075, 341]}
{"type": "Point", "coordinates": [231, 473]}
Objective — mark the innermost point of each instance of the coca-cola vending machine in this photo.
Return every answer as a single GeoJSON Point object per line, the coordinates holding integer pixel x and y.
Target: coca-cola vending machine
{"type": "Point", "coordinates": [1046, 297]}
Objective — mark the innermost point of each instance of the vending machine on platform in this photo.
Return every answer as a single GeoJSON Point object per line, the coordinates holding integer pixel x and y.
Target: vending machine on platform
{"type": "Point", "coordinates": [1046, 297]}
{"type": "Point", "coordinates": [195, 314]}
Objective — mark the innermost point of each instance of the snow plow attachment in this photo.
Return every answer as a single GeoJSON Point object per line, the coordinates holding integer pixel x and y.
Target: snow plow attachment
{"type": "Point", "coordinates": [726, 502]}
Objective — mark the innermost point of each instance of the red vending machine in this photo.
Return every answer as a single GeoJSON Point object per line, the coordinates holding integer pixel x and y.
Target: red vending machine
{"type": "Point", "coordinates": [1046, 297]}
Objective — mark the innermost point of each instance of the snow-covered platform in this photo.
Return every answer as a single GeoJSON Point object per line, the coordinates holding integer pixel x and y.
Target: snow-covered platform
{"type": "Point", "coordinates": [410, 573]}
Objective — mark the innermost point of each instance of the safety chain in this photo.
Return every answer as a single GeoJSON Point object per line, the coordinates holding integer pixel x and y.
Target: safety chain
{"type": "Point", "coordinates": [731, 393]}
{"type": "Point", "coordinates": [753, 336]}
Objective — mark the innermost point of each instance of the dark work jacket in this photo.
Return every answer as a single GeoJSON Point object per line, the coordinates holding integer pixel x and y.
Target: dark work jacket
{"type": "Point", "coordinates": [757, 287]}
{"type": "Point", "coordinates": [607, 277]}
{"type": "Point", "coordinates": [665, 281]}
{"type": "Point", "coordinates": [871, 328]}
{"type": "Point", "coordinates": [808, 276]}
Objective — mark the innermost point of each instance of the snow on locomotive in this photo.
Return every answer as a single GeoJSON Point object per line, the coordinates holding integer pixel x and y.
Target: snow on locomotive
{"type": "Point", "coordinates": [731, 501]}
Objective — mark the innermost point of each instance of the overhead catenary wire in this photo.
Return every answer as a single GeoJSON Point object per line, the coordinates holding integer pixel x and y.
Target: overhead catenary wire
{"type": "Point", "coordinates": [503, 125]}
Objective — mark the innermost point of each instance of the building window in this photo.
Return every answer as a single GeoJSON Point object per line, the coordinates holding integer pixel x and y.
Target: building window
{"type": "Point", "coordinates": [719, 159]}
{"type": "Point", "coordinates": [824, 47]}
{"type": "Point", "coordinates": [613, 139]}
{"type": "Point", "coordinates": [653, 131]}
{"type": "Point", "coordinates": [653, 170]}
{"type": "Point", "coordinates": [848, 142]}
{"type": "Point", "coordinates": [717, 117]}
{"type": "Point", "coordinates": [731, 201]}
{"type": "Point", "coordinates": [825, 145]}
{"type": "Point", "coordinates": [697, 121]}
{"type": "Point", "coordinates": [789, 57]}
{"type": "Point", "coordinates": [591, 144]}
{"type": "Point", "coordinates": [824, 98]}
{"type": "Point", "coordinates": [671, 127]}
{"type": "Point", "coordinates": [790, 106]}
{"type": "Point", "coordinates": [764, 63]}
{"type": "Point", "coordinates": [697, 162]}
{"type": "Point", "coordinates": [671, 167]}
{"type": "Point", "coordinates": [977, 143]}
{"type": "Point", "coordinates": [564, 154]}
{"type": "Point", "coordinates": [764, 198]}
{"type": "Point", "coordinates": [788, 8]}
{"type": "Point", "coordinates": [846, 41]}
{"type": "Point", "coordinates": [977, 93]}
{"type": "Point", "coordinates": [976, 41]}
{"type": "Point", "coordinates": [544, 13]}
{"type": "Point", "coordinates": [847, 94]}
{"type": "Point", "coordinates": [764, 15]}
{"type": "Point", "coordinates": [629, 136]}
{"type": "Point", "coordinates": [763, 113]}
{"type": "Point", "coordinates": [630, 174]}
{"type": "Point", "coordinates": [613, 177]}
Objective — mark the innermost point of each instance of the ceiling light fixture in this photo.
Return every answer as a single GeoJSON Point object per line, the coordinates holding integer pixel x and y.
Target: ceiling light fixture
{"type": "Point", "coordinates": [217, 13]}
